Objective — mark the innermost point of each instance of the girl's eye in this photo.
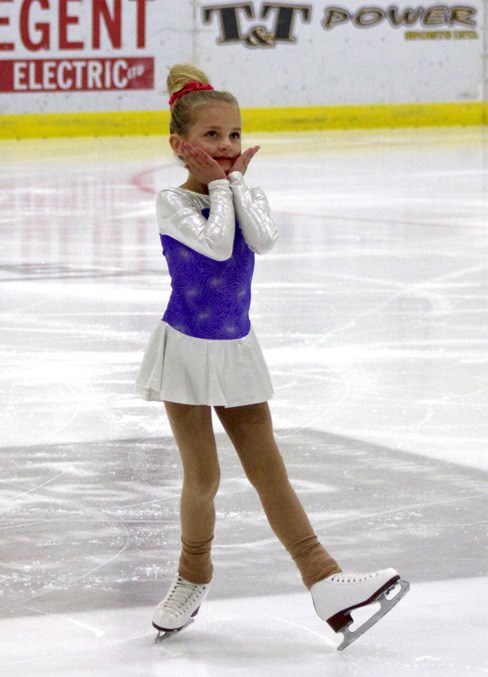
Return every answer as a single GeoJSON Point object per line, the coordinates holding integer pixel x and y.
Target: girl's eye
{"type": "Point", "coordinates": [212, 134]}
{"type": "Point", "coordinates": [236, 135]}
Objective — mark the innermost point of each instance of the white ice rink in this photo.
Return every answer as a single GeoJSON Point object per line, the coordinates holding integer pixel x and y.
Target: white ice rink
{"type": "Point", "coordinates": [372, 311]}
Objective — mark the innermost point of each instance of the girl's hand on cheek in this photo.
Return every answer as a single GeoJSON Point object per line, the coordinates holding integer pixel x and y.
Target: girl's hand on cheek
{"type": "Point", "coordinates": [199, 163]}
{"type": "Point", "coordinates": [242, 162]}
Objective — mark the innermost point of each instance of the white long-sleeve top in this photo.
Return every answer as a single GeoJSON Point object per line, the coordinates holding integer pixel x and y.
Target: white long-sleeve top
{"type": "Point", "coordinates": [179, 215]}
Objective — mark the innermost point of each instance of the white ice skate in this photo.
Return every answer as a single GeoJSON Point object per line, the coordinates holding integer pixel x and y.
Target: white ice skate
{"type": "Point", "coordinates": [336, 596]}
{"type": "Point", "coordinates": [178, 609]}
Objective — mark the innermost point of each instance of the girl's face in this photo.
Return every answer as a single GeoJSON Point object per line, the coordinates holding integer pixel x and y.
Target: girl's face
{"type": "Point", "coordinates": [217, 130]}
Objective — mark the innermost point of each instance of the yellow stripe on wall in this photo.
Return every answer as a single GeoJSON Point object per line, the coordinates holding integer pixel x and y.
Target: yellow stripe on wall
{"type": "Point", "coordinates": [128, 123]}
{"type": "Point", "coordinates": [47, 125]}
{"type": "Point", "coordinates": [364, 117]}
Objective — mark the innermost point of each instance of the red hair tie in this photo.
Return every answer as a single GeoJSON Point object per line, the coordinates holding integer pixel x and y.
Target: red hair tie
{"type": "Point", "coordinates": [193, 86]}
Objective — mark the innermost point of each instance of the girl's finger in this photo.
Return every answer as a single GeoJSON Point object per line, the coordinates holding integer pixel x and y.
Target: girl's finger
{"type": "Point", "coordinates": [251, 152]}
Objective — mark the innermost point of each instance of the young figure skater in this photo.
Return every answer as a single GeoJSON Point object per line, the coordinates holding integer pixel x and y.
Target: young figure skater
{"type": "Point", "coordinates": [204, 354]}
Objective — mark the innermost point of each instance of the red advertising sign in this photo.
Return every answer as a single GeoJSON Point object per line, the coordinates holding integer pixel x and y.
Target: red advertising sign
{"type": "Point", "coordinates": [81, 75]}
{"type": "Point", "coordinates": [74, 46]}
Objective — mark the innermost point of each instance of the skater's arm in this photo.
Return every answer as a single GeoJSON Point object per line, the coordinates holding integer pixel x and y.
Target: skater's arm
{"type": "Point", "coordinates": [179, 215]}
{"type": "Point", "coordinates": [253, 214]}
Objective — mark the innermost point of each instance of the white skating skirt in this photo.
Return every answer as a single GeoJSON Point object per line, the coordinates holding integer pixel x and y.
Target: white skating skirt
{"type": "Point", "coordinates": [188, 370]}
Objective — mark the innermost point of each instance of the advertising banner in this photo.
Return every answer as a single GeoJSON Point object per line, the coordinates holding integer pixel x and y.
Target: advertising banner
{"type": "Point", "coordinates": [76, 56]}
{"type": "Point", "coordinates": [350, 53]}
{"type": "Point", "coordinates": [89, 55]}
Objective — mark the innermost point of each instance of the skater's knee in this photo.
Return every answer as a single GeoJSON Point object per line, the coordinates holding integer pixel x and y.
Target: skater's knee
{"type": "Point", "coordinates": [264, 474]}
{"type": "Point", "coordinates": [202, 484]}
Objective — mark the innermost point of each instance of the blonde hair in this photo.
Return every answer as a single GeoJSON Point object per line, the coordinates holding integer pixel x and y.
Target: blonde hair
{"type": "Point", "coordinates": [184, 109]}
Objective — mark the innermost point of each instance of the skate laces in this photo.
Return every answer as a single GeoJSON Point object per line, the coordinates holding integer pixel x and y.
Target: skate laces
{"type": "Point", "coordinates": [179, 596]}
{"type": "Point", "coordinates": [349, 577]}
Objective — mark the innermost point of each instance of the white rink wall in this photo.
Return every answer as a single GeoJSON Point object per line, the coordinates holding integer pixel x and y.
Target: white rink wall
{"type": "Point", "coordinates": [67, 56]}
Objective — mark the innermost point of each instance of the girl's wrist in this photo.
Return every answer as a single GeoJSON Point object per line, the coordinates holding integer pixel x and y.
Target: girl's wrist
{"type": "Point", "coordinates": [218, 182]}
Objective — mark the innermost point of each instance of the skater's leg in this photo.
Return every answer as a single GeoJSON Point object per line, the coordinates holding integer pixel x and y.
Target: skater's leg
{"type": "Point", "coordinates": [194, 436]}
{"type": "Point", "coordinates": [251, 432]}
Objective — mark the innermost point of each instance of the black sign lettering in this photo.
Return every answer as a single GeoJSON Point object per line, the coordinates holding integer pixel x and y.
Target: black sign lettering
{"type": "Point", "coordinates": [285, 19]}
{"type": "Point", "coordinates": [406, 17]}
{"type": "Point", "coordinates": [460, 14]}
{"type": "Point", "coordinates": [335, 16]}
{"type": "Point", "coordinates": [229, 20]}
{"type": "Point", "coordinates": [430, 15]}
{"type": "Point", "coordinates": [436, 15]}
{"type": "Point", "coordinates": [259, 37]}
{"type": "Point", "coordinates": [236, 25]}
{"type": "Point", "coordinates": [369, 16]}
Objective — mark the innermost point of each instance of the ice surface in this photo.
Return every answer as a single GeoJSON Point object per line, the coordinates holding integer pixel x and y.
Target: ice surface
{"type": "Point", "coordinates": [372, 312]}
{"type": "Point", "coordinates": [435, 630]}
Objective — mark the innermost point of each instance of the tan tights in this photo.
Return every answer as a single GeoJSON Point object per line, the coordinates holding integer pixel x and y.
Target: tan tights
{"type": "Point", "coordinates": [251, 432]}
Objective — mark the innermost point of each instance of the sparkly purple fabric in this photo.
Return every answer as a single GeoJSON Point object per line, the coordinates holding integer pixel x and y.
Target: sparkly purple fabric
{"type": "Point", "coordinates": [209, 299]}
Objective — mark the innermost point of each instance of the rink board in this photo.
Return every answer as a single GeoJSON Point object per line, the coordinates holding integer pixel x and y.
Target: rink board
{"type": "Point", "coordinates": [97, 68]}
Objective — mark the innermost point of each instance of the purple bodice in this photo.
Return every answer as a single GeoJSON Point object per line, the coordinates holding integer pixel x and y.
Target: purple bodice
{"type": "Point", "coordinates": [209, 299]}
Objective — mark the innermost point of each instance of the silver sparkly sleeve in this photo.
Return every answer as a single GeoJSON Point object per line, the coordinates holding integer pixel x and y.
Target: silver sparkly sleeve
{"type": "Point", "coordinates": [253, 214]}
{"type": "Point", "coordinates": [179, 215]}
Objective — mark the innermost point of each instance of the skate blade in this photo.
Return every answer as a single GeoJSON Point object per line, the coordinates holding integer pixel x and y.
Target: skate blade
{"type": "Point", "coordinates": [165, 635]}
{"type": "Point", "coordinates": [387, 605]}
